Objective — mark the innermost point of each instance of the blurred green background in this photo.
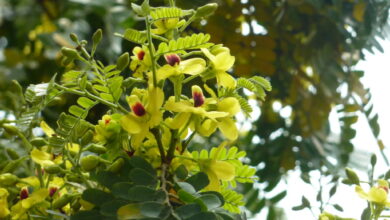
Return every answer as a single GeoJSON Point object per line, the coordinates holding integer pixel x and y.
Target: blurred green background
{"type": "Point", "coordinates": [306, 48]}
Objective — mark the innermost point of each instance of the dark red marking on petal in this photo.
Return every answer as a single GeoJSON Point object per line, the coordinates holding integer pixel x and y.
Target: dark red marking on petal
{"type": "Point", "coordinates": [107, 121]}
{"type": "Point", "coordinates": [23, 194]}
{"type": "Point", "coordinates": [52, 191]}
{"type": "Point", "coordinates": [141, 55]}
{"type": "Point", "coordinates": [172, 59]}
{"type": "Point", "coordinates": [130, 153]}
{"type": "Point", "coordinates": [384, 188]}
{"type": "Point", "coordinates": [138, 109]}
{"type": "Point", "coordinates": [198, 99]}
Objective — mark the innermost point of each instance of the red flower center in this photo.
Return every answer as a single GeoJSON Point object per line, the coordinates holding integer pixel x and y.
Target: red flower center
{"type": "Point", "coordinates": [138, 109]}
{"type": "Point", "coordinates": [384, 188]}
{"type": "Point", "coordinates": [172, 59]}
{"type": "Point", "coordinates": [141, 55]}
{"type": "Point", "coordinates": [23, 194]}
{"type": "Point", "coordinates": [107, 121]}
{"type": "Point", "coordinates": [198, 99]}
{"type": "Point", "coordinates": [52, 191]}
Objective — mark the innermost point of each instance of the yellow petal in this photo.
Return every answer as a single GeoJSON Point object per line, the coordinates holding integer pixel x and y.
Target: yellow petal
{"type": "Point", "coordinates": [225, 80]}
{"type": "Point", "coordinates": [215, 114]}
{"type": "Point", "coordinates": [192, 66]}
{"type": "Point", "coordinates": [223, 61]}
{"type": "Point", "coordinates": [47, 129]}
{"type": "Point", "coordinates": [35, 198]}
{"type": "Point", "coordinates": [29, 181]}
{"type": "Point", "coordinates": [214, 184]}
{"type": "Point", "coordinates": [4, 211]}
{"type": "Point", "coordinates": [137, 139]}
{"type": "Point", "coordinates": [130, 124]}
{"type": "Point", "coordinates": [224, 170]}
{"type": "Point", "coordinates": [228, 128]}
{"type": "Point", "coordinates": [182, 106]}
{"type": "Point", "coordinates": [180, 120]}
{"type": "Point", "coordinates": [156, 100]}
{"type": "Point", "coordinates": [377, 195]}
{"type": "Point", "coordinates": [72, 147]}
{"type": "Point", "coordinates": [206, 128]}
{"type": "Point", "coordinates": [167, 71]}
{"type": "Point", "coordinates": [230, 105]}
{"type": "Point", "coordinates": [382, 182]}
{"type": "Point", "coordinates": [208, 54]}
{"type": "Point", "coordinates": [41, 158]}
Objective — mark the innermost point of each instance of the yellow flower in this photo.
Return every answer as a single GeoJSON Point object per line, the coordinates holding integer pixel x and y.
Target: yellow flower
{"type": "Point", "coordinates": [45, 159]}
{"type": "Point", "coordinates": [377, 194]}
{"type": "Point", "coordinates": [19, 210]}
{"type": "Point", "coordinates": [222, 62]}
{"type": "Point", "coordinates": [166, 24]}
{"type": "Point", "coordinates": [145, 114]}
{"type": "Point", "coordinates": [4, 211]}
{"type": "Point", "coordinates": [107, 128]}
{"type": "Point", "coordinates": [47, 129]}
{"type": "Point", "coordinates": [140, 61]}
{"type": "Point", "coordinates": [203, 119]}
{"type": "Point", "coordinates": [175, 67]}
{"type": "Point", "coordinates": [216, 171]}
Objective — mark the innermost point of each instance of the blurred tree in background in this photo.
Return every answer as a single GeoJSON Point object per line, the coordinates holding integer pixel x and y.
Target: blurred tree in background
{"type": "Point", "coordinates": [307, 48]}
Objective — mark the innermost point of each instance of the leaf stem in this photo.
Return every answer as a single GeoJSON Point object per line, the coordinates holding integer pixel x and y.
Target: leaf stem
{"type": "Point", "coordinates": [157, 135]}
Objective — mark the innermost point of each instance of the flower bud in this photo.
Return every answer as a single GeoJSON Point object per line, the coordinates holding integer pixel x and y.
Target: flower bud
{"type": "Point", "coordinates": [8, 179]}
{"type": "Point", "coordinates": [74, 37]}
{"type": "Point", "coordinates": [206, 10]}
{"type": "Point", "coordinates": [97, 36]}
{"type": "Point", "coordinates": [38, 142]}
{"type": "Point", "coordinates": [172, 59]}
{"type": "Point", "coordinates": [197, 95]}
{"type": "Point", "coordinates": [11, 129]}
{"type": "Point", "coordinates": [89, 162]}
{"type": "Point", "coordinates": [53, 169]}
{"type": "Point", "coordinates": [52, 191]}
{"type": "Point", "coordinates": [352, 176]}
{"type": "Point", "coordinates": [117, 165]}
{"type": "Point", "coordinates": [62, 201]}
{"type": "Point", "coordinates": [123, 61]}
{"type": "Point", "coordinates": [96, 148]}
{"type": "Point", "coordinates": [70, 53]}
{"type": "Point", "coordinates": [12, 154]}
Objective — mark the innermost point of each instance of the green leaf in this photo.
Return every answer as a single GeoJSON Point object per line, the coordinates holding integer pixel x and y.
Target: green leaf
{"type": "Point", "coordinates": [154, 210]}
{"type": "Point", "coordinates": [198, 181]}
{"type": "Point", "coordinates": [85, 102]}
{"type": "Point", "coordinates": [203, 216]}
{"type": "Point", "coordinates": [338, 207]}
{"type": "Point", "coordinates": [96, 196]}
{"type": "Point", "coordinates": [139, 162]}
{"type": "Point", "coordinates": [129, 211]}
{"type": "Point", "coordinates": [278, 197]}
{"type": "Point", "coordinates": [108, 179]}
{"type": "Point", "coordinates": [134, 36]}
{"type": "Point", "coordinates": [211, 201]}
{"type": "Point", "coordinates": [86, 215]}
{"type": "Point", "coordinates": [110, 208]}
{"type": "Point", "coordinates": [195, 41]}
{"type": "Point", "coordinates": [143, 194]}
{"type": "Point", "coordinates": [121, 190]}
{"type": "Point", "coordinates": [189, 210]}
{"type": "Point", "coordinates": [186, 196]}
{"type": "Point", "coordinates": [165, 12]}
{"type": "Point", "coordinates": [142, 177]}
{"type": "Point", "coordinates": [187, 187]}
{"type": "Point", "coordinates": [181, 172]}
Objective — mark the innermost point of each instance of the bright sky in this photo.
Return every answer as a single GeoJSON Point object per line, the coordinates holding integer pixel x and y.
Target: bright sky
{"type": "Point", "coordinates": [377, 78]}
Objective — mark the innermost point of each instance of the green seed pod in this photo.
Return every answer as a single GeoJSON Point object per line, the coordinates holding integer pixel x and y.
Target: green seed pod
{"type": "Point", "coordinates": [53, 169]}
{"type": "Point", "coordinates": [74, 38]}
{"type": "Point", "coordinates": [89, 162]}
{"type": "Point", "coordinates": [97, 36]}
{"type": "Point", "coordinates": [70, 53]}
{"type": "Point", "coordinates": [8, 179]}
{"type": "Point", "coordinates": [10, 129]}
{"type": "Point", "coordinates": [96, 148]}
{"type": "Point", "coordinates": [38, 142]}
{"type": "Point", "coordinates": [206, 10]}
{"type": "Point", "coordinates": [12, 154]}
{"type": "Point", "coordinates": [62, 201]}
{"type": "Point", "coordinates": [123, 61]}
{"type": "Point", "coordinates": [117, 165]}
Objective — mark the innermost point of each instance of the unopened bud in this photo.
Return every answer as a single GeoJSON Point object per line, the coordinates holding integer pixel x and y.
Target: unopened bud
{"type": "Point", "coordinates": [352, 176]}
{"type": "Point", "coordinates": [62, 201]}
{"type": "Point", "coordinates": [123, 61]}
{"type": "Point", "coordinates": [74, 37]}
{"type": "Point", "coordinates": [206, 10]}
{"type": "Point", "coordinates": [12, 154]}
{"type": "Point", "coordinates": [117, 165]}
{"type": "Point", "coordinates": [97, 36]}
{"type": "Point", "coordinates": [8, 179]}
{"type": "Point", "coordinates": [11, 129]}
{"type": "Point", "coordinates": [70, 53]}
{"type": "Point", "coordinates": [38, 142]}
{"type": "Point", "coordinates": [89, 162]}
{"type": "Point", "coordinates": [96, 148]}
{"type": "Point", "coordinates": [53, 169]}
